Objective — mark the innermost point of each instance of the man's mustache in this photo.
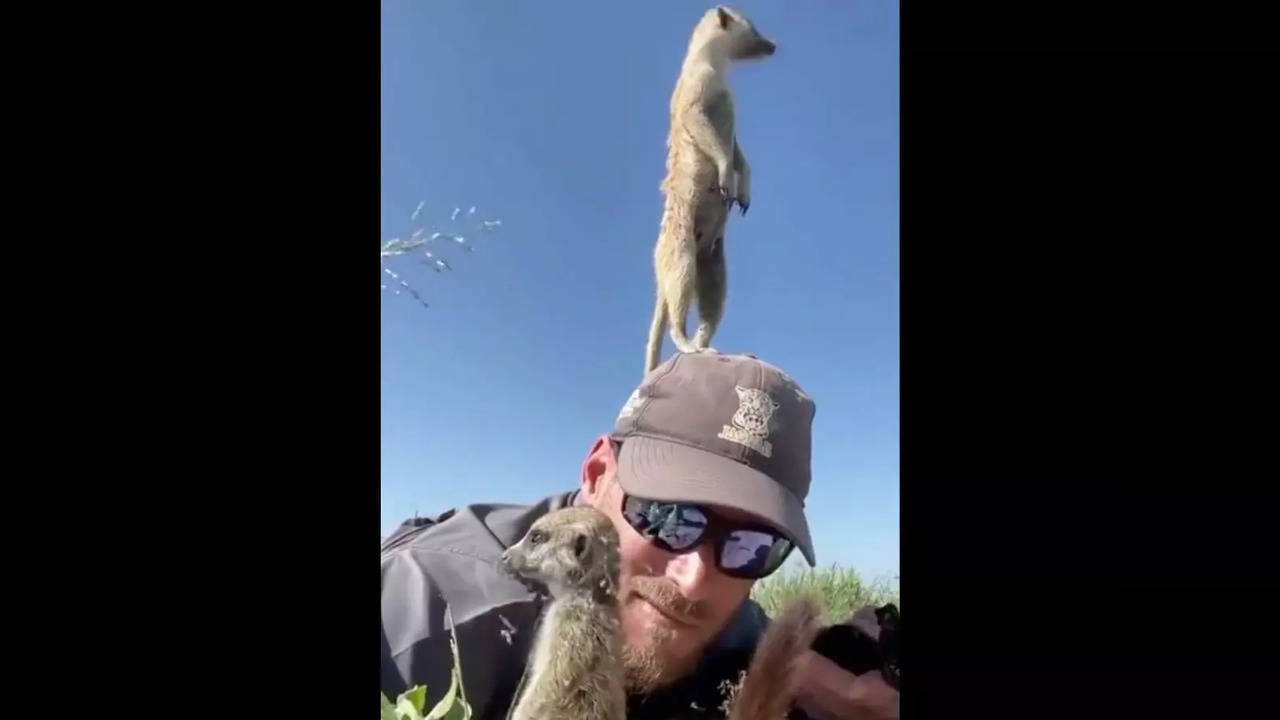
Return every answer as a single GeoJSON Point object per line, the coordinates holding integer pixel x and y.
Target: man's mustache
{"type": "Point", "coordinates": [664, 595]}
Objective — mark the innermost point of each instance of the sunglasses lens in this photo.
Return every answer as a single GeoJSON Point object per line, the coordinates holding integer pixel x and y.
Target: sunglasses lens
{"type": "Point", "coordinates": [753, 553]}
{"type": "Point", "coordinates": [674, 525]}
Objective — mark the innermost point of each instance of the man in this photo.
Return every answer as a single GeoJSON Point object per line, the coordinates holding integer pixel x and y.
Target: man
{"type": "Point", "coordinates": [704, 475]}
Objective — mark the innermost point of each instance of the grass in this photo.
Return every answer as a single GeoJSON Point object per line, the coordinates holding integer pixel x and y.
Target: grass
{"type": "Point", "coordinates": [412, 703]}
{"type": "Point", "coordinates": [838, 591]}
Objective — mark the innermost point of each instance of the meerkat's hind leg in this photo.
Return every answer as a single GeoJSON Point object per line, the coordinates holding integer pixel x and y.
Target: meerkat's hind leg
{"type": "Point", "coordinates": [712, 286]}
{"type": "Point", "coordinates": [678, 292]}
{"type": "Point", "coordinates": [677, 313]}
{"type": "Point", "coordinates": [653, 353]}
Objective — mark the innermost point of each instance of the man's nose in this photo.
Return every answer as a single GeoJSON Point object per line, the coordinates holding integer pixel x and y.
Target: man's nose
{"type": "Point", "coordinates": [690, 570]}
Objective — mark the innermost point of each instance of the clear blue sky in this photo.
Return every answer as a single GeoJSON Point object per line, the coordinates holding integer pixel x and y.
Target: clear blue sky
{"type": "Point", "coordinates": [553, 117]}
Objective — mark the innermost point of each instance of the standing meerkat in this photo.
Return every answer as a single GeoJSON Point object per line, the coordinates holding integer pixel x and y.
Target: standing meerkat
{"type": "Point", "coordinates": [706, 173]}
{"type": "Point", "coordinates": [575, 668]}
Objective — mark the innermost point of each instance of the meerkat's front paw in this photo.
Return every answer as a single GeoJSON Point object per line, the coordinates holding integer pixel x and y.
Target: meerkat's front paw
{"type": "Point", "coordinates": [742, 184]}
{"type": "Point", "coordinates": [744, 197]}
{"type": "Point", "coordinates": [709, 349]}
{"type": "Point", "coordinates": [727, 196]}
{"type": "Point", "coordinates": [727, 186]}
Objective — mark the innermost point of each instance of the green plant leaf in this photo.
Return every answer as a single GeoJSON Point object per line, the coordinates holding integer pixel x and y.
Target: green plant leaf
{"type": "Point", "coordinates": [410, 703]}
{"type": "Point", "coordinates": [459, 711]}
{"type": "Point", "coordinates": [388, 710]}
{"type": "Point", "coordinates": [449, 702]}
{"type": "Point", "coordinates": [406, 711]}
{"type": "Point", "coordinates": [416, 695]}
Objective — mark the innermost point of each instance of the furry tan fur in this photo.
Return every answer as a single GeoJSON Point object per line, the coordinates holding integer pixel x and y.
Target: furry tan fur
{"type": "Point", "coordinates": [771, 681]}
{"type": "Point", "coordinates": [706, 173]}
{"type": "Point", "coordinates": [575, 669]}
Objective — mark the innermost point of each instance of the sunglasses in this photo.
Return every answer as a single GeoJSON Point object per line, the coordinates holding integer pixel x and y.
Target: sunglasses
{"type": "Point", "coordinates": [743, 550]}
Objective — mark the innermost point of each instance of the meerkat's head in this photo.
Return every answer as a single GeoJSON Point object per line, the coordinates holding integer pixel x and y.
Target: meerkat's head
{"type": "Point", "coordinates": [726, 32]}
{"type": "Point", "coordinates": [574, 549]}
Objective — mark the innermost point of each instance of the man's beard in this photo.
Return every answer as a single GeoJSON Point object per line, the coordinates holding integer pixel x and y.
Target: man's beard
{"type": "Point", "coordinates": [645, 667]}
{"type": "Point", "coordinates": [651, 666]}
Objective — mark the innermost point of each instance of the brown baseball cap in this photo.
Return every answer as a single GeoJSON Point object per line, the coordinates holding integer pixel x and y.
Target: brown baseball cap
{"type": "Point", "coordinates": [720, 429]}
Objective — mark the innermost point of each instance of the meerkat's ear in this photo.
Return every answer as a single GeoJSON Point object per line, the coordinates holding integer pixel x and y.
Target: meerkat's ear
{"type": "Point", "coordinates": [580, 546]}
{"type": "Point", "coordinates": [725, 17]}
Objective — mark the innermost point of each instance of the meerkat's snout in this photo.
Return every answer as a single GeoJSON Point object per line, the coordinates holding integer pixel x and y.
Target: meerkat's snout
{"type": "Point", "coordinates": [512, 562]}
{"type": "Point", "coordinates": [734, 33]}
{"type": "Point", "coordinates": [504, 562]}
{"type": "Point", "coordinates": [527, 559]}
{"type": "Point", "coordinates": [758, 46]}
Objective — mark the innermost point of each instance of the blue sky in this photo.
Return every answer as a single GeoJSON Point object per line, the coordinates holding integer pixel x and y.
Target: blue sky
{"type": "Point", "coordinates": [552, 117]}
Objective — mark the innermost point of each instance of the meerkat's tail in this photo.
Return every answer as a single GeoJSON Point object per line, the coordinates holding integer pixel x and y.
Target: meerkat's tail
{"type": "Point", "coordinates": [773, 676]}
{"type": "Point", "coordinates": [653, 352]}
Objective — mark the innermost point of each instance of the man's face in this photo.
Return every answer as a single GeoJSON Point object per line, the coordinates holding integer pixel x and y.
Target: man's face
{"type": "Point", "coordinates": [672, 605]}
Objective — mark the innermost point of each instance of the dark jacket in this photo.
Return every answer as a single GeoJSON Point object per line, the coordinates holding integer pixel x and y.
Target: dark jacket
{"type": "Point", "coordinates": [449, 562]}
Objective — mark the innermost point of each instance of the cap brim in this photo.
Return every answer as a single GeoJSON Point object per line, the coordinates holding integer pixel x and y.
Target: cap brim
{"type": "Point", "coordinates": [663, 470]}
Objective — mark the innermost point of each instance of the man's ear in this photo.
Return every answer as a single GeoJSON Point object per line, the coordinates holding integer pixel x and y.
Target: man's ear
{"type": "Point", "coordinates": [597, 469]}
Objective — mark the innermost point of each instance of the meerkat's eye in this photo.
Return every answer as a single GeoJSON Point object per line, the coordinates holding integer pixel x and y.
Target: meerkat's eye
{"type": "Point", "coordinates": [537, 536]}
{"type": "Point", "coordinates": [580, 545]}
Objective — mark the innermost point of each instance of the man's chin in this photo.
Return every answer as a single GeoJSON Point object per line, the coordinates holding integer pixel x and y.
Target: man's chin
{"type": "Point", "coordinates": [650, 655]}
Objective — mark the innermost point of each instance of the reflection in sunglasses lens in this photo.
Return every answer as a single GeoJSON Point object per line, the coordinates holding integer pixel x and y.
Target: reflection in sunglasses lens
{"type": "Point", "coordinates": [682, 526]}
{"type": "Point", "coordinates": [748, 551]}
